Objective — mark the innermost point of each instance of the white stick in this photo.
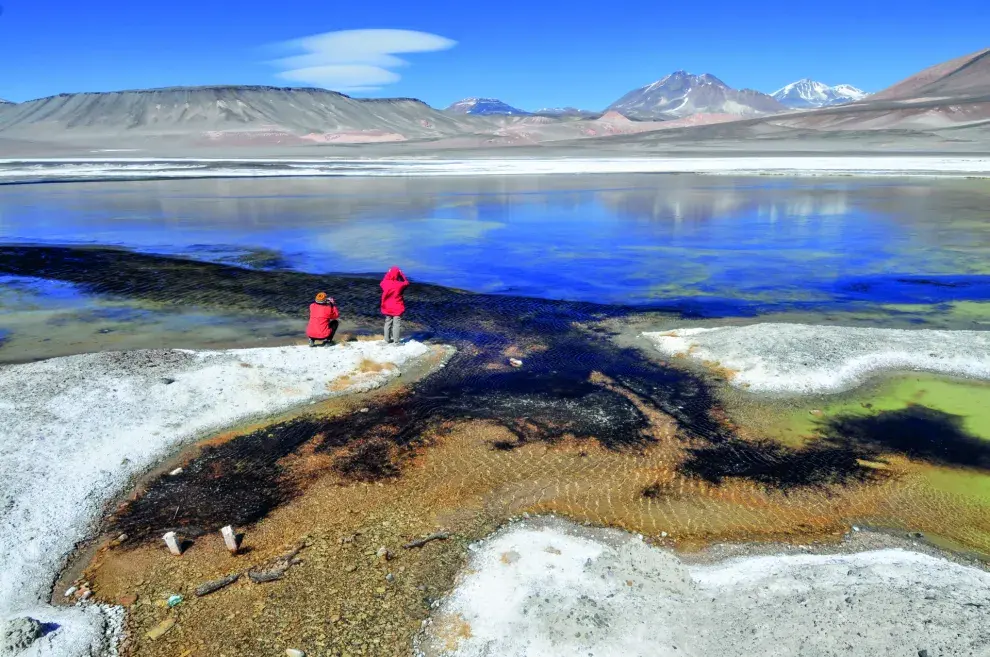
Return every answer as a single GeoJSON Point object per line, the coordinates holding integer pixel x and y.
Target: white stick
{"type": "Point", "coordinates": [173, 544]}
{"type": "Point", "coordinates": [229, 538]}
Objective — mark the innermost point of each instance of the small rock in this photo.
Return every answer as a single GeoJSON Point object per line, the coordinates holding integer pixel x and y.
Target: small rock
{"type": "Point", "coordinates": [383, 553]}
{"type": "Point", "coordinates": [922, 653]}
{"type": "Point", "coordinates": [167, 381]}
{"type": "Point", "coordinates": [663, 534]}
{"type": "Point", "coordinates": [351, 568]}
{"type": "Point", "coordinates": [174, 600]}
{"type": "Point", "coordinates": [380, 590]}
{"type": "Point", "coordinates": [817, 412]}
{"type": "Point", "coordinates": [69, 592]}
{"type": "Point", "coordinates": [390, 578]}
{"type": "Point", "coordinates": [175, 472]}
{"type": "Point", "coordinates": [515, 362]}
{"type": "Point", "coordinates": [19, 634]}
{"type": "Point", "coordinates": [127, 600]}
{"type": "Point", "coordinates": [159, 630]}
{"type": "Point", "coordinates": [365, 410]}
{"type": "Point", "coordinates": [122, 538]}
{"type": "Point", "coordinates": [293, 652]}
{"type": "Point", "coordinates": [86, 595]}
{"type": "Point", "coordinates": [855, 528]}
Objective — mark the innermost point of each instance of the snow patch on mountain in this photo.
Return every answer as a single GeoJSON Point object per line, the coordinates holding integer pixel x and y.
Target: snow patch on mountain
{"type": "Point", "coordinates": [808, 93]}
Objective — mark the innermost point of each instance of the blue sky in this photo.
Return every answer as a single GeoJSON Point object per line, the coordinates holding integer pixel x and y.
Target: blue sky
{"type": "Point", "coordinates": [528, 53]}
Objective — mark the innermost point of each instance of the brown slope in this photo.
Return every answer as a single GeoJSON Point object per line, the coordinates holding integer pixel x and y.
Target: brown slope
{"type": "Point", "coordinates": [961, 77]}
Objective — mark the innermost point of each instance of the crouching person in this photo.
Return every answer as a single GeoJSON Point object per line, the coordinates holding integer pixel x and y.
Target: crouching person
{"type": "Point", "coordinates": [323, 322]}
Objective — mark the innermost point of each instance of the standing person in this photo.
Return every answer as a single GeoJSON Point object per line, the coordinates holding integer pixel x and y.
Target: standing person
{"type": "Point", "coordinates": [323, 322]}
{"type": "Point", "coordinates": [393, 305]}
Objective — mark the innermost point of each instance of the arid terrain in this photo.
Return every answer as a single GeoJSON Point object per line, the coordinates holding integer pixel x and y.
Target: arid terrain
{"type": "Point", "coordinates": [945, 108]}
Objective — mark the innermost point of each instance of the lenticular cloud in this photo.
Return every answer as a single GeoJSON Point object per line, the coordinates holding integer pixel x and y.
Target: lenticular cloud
{"type": "Point", "coordinates": [355, 60]}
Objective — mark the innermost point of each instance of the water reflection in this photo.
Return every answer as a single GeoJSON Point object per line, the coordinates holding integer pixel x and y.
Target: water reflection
{"type": "Point", "coordinates": [638, 239]}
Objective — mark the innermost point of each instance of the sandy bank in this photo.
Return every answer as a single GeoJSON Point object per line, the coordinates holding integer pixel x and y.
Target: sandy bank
{"type": "Point", "coordinates": [74, 430]}
{"type": "Point", "coordinates": [550, 587]}
{"type": "Point", "coordinates": [56, 169]}
{"type": "Point", "coordinates": [805, 359]}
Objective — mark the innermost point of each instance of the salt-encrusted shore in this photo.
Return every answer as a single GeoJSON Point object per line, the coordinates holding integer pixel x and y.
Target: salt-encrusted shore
{"type": "Point", "coordinates": [75, 430]}
{"type": "Point", "coordinates": [805, 359]}
{"type": "Point", "coordinates": [55, 169]}
{"type": "Point", "coordinates": [552, 588]}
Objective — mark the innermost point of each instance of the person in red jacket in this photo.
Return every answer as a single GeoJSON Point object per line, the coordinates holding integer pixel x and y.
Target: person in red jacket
{"type": "Point", "coordinates": [323, 322]}
{"type": "Point", "coordinates": [393, 305]}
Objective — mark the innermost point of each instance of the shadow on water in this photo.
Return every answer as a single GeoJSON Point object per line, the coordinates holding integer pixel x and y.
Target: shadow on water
{"type": "Point", "coordinates": [918, 432]}
{"type": "Point", "coordinates": [844, 443]}
{"type": "Point", "coordinates": [551, 397]}
{"type": "Point", "coordinates": [778, 466]}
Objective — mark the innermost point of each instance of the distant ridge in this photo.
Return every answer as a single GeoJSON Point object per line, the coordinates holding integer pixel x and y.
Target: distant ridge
{"type": "Point", "coordinates": [567, 112]}
{"type": "Point", "coordinates": [967, 76]}
{"type": "Point", "coordinates": [215, 111]}
{"type": "Point", "coordinates": [485, 106]}
{"type": "Point", "coordinates": [225, 88]}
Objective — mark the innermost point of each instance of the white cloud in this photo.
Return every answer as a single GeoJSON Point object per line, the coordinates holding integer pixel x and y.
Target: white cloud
{"type": "Point", "coordinates": [355, 60]}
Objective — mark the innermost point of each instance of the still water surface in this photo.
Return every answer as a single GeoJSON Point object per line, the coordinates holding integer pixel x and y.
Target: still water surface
{"type": "Point", "coordinates": [647, 239]}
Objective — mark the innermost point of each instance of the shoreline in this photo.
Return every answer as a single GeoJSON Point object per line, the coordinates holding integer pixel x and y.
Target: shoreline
{"type": "Point", "coordinates": [41, 170]}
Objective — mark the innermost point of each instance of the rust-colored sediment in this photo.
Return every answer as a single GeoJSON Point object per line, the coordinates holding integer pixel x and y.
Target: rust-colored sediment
{"type": "Point", "coordinates": [337, 601]}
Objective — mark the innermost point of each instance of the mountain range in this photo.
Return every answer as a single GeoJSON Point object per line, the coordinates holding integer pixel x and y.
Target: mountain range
{"type": "Point", "coordinates": [948, 104]}
{"type": "Point", "coordinates": [683, 94]}
{"type": "Point", "coordinates": [807, 93]}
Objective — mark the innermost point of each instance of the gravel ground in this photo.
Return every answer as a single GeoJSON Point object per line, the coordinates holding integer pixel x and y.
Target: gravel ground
{"type": "Point", "coordinates": [549, 587]}
{"type": "Point", "coordinates": [805, 359]}
{"type": "Point", "coordinates": [75, 430]}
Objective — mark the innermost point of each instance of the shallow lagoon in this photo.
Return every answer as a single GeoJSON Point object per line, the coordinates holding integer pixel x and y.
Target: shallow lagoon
{"type": "Point", "coordinates": [711, 245]}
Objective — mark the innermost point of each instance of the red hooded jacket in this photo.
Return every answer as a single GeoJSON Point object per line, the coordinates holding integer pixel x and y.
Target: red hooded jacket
{"type": "Point", "coordinates": [393, 285]}
{"type": "Point", "coordinates": [320, 316]}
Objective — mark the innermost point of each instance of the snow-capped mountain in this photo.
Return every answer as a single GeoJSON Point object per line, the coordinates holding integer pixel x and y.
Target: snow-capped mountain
{"type": "Point", "coordinates": [682, 94]}
{"type": "Point", "coordinates": [808, 93]}
{"type": "Point", "coordinates": [485, 106]}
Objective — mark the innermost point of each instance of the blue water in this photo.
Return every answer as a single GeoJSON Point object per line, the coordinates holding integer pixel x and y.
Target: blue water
{"type": "Point", "coordinates": [709, 245]}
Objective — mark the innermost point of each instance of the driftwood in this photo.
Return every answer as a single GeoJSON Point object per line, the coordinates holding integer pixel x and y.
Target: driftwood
{"type": "Point", "coordinates": [216, 585]}
{"type": "Point", "coordinates": [274, 569]}
{"type": "Point", "coordinates": [420, 542]}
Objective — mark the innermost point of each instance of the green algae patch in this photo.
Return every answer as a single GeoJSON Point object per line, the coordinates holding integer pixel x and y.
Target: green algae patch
{"type": "Point", "coordinates": [796, 422]}
{"type": "Point", "coordinates": [969, 400]}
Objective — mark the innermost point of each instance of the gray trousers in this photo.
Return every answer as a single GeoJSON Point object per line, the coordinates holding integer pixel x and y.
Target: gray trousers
{"type": "Point", "coordinates": [393, 328]}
